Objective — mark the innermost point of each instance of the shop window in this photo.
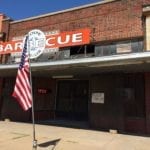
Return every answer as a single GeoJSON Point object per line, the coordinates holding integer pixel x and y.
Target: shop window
{"type": "Point", "coordinates": [137, 46]}
{"type": "Point", "coordinates": [90, 49]}
{"type": "Point", "coordinates": [131, 46]}
{"type": "Point", "coordinates": [77, 50]}
{"type": "Point", "coordinates": [63, 53]}
{"type": "Point", "coordinates": [83, 51]}
{"type": "Point", "coordinates": [124, 47]}
{"type": "Point", "coordinates": [104, 50]}
{"type": "Point", "coordinates": [121, 47]}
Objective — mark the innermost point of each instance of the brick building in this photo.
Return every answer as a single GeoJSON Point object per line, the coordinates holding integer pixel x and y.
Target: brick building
{"type": "Point", "coordinates": [105, 82]}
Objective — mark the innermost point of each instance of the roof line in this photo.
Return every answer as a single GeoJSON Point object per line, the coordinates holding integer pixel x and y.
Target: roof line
{"type": "Point", "coordinates": [64, 11]}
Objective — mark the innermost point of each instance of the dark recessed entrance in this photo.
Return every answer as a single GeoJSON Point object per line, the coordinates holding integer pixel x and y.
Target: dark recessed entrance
{"type": "Point", "coordinates": [72, 100]}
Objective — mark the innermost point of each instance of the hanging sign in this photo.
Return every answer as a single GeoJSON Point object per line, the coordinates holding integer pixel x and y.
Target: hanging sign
{"type": "Point", "coordinates": [65, 39]}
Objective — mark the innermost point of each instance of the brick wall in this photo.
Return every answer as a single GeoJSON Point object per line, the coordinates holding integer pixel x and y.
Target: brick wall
{"type": "Point", "coordinates": [146, 2]}
{"type": "Point", "coordinates": [5, 28]}
{"type": "Point", "coordinates": [120, 19]}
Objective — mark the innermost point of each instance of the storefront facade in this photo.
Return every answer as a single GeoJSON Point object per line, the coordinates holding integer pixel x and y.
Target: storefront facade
{"type": "Point", "coordinates": [103, 79]}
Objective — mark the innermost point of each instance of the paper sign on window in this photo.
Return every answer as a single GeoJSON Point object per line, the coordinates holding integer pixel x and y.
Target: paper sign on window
{"type": "Point", "coordinates": [98, 98]}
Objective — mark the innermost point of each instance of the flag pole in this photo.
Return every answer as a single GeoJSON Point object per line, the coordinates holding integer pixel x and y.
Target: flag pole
{"type": "Point", "coordinates": [33, 119]}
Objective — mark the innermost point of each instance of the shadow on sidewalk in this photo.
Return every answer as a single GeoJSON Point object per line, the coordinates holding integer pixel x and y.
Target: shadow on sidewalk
{"type": "Point", "coordinates": [51, 144]}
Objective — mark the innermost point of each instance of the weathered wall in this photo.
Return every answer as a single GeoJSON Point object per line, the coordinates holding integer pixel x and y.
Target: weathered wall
{"type": "Point", "coordinates": [120, 19]}
{"type": "Point", "coordinates": [10, 105]}
{"type": "Point", "coordinates": [44, 102]}
{"type": "Point", "coordinates": [124, 103]}
{"type": "Point", "coordinates": [108, 115]}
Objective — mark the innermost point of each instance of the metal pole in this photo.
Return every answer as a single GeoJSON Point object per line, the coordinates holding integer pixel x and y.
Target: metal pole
{"type": "Point", "coordinates": [33, 120]}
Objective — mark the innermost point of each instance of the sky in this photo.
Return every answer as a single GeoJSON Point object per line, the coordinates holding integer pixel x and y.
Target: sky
{"type": "Point", "coordinates": [21, 9]}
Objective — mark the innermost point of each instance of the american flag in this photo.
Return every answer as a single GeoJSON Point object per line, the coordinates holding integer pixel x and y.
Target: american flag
{"type": "Point", "coordinates": [22, 89]}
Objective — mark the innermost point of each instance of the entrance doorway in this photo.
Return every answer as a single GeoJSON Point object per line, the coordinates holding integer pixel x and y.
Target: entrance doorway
{"type": "Point", "coordinates": [72, 100]}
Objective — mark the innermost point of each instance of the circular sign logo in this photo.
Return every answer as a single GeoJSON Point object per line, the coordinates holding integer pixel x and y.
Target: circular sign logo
{"type": "Point", "coordinates": [36, 43]}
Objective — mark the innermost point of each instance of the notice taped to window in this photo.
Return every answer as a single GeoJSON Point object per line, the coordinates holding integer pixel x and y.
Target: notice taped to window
{"type": "Point", "coordinates": [98, 97]}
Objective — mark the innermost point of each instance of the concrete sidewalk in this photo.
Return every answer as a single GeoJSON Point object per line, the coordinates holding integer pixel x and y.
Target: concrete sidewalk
{"type": "Point", "coordinates": [18, 136]}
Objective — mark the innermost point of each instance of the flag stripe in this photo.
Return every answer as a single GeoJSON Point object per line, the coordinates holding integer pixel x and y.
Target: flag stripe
{"type": "Point", "coordinates": [22, 89]}
{"type": "Point", "coordinates": [22, 92]}
{"type": "Point", "coordinates": [20, 97]}
{"type": "Point", "coordinates": [20, 102]}
{"type": "Point", "coordinates": [25, 85]}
